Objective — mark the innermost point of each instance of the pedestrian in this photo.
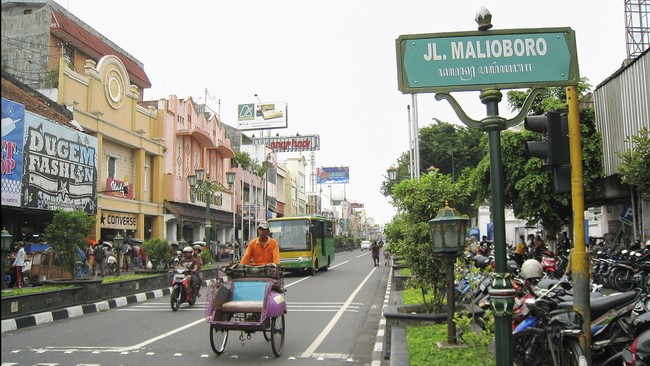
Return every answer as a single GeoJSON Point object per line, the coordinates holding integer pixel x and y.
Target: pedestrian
{"type": "Point", "coordinates": [126, 254]}
{"type": "Point", "coordinates": [374, 248]}
{"type": "Point", "coordinates": [19, 262]}
{"type": "Point", "coordinates": [91, 257]}
{"type": "Point", "coordinates": [136, 262]}
{"type": "Point", "coordinates": [387, 256]}
{"type": "Point", "coordinates": [520, 251]}
{"type": "Point", "coordinates": [100, 258]}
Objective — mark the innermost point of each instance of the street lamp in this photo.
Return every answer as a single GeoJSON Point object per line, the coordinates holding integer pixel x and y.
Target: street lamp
{"type": "Point", "coordinates": [199, 183]}
{"type": "Point", "coordinates": [230, 178]}
{"type": "Point", "coordinates": [392, 173]}
{"type": "Point", "coordinates": [447, 235]}
{"type": "Point", "coordinates": [118, 240]}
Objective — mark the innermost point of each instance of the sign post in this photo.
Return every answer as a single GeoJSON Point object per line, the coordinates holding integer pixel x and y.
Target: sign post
{"type": "Point", "coordinates": [488, 61]}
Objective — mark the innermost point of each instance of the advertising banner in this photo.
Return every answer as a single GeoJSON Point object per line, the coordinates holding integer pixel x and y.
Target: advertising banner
{"type": "Point", "coordinates": [333, 175]}
{"type": "Point", "coordinates": [13, 120]}
{"type": "Point", "coordinates": [59, 167]}
{"type": "Point", "coordinates": [290, 143]}
{"type": "Point", "coordinates": [254, 116]}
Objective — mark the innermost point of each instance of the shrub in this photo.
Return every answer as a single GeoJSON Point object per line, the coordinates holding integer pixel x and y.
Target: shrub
{"type": "Point", "coordinates": [158, 251]}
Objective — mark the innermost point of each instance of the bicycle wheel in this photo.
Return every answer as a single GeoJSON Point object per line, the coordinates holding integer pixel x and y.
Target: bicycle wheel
{"type": "Point", "coordinates": [277, 335]}
{"type": "Point", "coordinates": [529, 347]}
{"type": "Point", "coordinates": [572, 354]}
{"type": "Point", "coordinates": [218, 339]}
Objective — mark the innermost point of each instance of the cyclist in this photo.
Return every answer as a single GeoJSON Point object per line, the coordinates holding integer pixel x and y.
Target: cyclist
{"type": "Point", "coordinates": [263, 249]}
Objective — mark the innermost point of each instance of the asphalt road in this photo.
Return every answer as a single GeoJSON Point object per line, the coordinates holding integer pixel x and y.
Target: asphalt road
{"type": "Point", "coordinates": [332, 319]}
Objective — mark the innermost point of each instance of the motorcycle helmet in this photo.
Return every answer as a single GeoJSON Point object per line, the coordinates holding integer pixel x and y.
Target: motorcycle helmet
{"type": "Point", "coordinates": [531, 269]}
{"type": "Point", "coordinates": [188, 250]}
{"type": "Point", "coordinates": [197, 247]}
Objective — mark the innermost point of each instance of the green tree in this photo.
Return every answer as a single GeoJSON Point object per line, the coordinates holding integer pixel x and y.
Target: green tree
{"type": "Point", "coordinates": [158, 251]}
{"type": "Point", "coordinates": [418, 201]}
{"type": "Point", "coordinates": [634, 168]}
{"type": "Point", "coordinates": [67, 232]}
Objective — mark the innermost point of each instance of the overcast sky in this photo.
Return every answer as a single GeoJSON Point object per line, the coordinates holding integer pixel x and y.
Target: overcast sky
{"type": "Point", "coordinates": [332, 61]}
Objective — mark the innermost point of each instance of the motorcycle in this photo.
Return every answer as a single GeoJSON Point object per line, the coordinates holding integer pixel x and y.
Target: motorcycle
{"type": "Point", "coordinates": [181, 288]}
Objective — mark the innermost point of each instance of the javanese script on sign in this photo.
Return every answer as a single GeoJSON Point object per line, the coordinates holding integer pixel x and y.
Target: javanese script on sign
{"type": "Point", "coordinates": [477, 60]}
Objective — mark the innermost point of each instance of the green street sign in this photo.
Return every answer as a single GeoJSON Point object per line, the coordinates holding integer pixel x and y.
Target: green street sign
{"type": "Point", "coordinates": [478, 60]}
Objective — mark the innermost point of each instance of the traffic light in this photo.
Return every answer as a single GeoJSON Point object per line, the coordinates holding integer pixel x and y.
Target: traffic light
{"type": "Point", "coordinates": [554, 147]}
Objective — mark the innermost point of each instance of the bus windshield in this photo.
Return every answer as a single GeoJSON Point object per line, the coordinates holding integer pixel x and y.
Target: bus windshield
{"type": "Point", "coordinates": [291, 234]}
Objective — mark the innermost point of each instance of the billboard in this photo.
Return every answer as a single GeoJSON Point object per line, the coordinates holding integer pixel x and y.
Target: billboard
{"type": "Point", "coordinates": [260, 116]}
{"type": "Point", "coordinates": [290, 144]}
{"type": "Point", "coordinates": [13, 120]}
{"type": "Point", "coordinates": [333, 175]}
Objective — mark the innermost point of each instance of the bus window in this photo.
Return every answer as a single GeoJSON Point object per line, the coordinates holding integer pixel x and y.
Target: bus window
{"type": "Point", "coordinates": [291, 234]}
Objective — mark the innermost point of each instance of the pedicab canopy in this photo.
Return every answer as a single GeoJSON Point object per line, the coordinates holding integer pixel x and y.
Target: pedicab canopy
{"type": "Point", "coordinates": [448, 231]}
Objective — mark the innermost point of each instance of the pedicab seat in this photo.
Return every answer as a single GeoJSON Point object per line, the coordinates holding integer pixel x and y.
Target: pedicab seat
{"type": "Point", "coordinates": [247, 297]}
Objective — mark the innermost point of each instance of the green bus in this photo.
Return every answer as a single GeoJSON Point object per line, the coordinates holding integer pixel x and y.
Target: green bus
{"type": "Point", "coordinates": [306, 242]}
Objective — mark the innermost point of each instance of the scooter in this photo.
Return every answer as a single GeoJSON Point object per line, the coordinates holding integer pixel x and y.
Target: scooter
{"type": "Point", "coordinates": [182, 289]}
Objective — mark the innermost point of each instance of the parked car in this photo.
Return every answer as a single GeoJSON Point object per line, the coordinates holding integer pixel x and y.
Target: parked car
{"type": "Point", "coordinates": [365, 245]}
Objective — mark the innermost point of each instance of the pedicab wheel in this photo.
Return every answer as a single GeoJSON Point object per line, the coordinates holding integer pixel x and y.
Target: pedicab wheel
{"type": "Point", "coordinates": [218, 339]}
{"type": "Point", "coordinates": [174, 299]}
{"type": "Point", "coordinates": [267, 335]}
{"type": "Point", "coordinates": [277, 335]}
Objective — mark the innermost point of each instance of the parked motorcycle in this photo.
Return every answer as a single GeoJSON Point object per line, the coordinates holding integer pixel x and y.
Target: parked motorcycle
{"type": "Point", "coordinates": [182, 289]}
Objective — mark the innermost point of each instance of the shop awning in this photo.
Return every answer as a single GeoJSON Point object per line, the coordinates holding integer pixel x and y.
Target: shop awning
{"type": "Point", "coordinates": [192, 212]}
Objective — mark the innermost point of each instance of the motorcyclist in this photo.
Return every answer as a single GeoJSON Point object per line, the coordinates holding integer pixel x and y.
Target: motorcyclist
{"type": "Point", "coordinates": [189, 262]}
{"type": "Point", "coordinates": [263, 249]}
{"type": "Point", "coordinates": [197, 255]}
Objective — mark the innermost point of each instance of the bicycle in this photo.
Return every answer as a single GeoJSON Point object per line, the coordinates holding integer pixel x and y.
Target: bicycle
{"type": "Point", "coordinates": [82, 269]}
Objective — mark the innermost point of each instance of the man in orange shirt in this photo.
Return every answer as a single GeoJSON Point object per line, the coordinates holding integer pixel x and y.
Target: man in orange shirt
{"type": "Point", "coordinates": [263, 249]}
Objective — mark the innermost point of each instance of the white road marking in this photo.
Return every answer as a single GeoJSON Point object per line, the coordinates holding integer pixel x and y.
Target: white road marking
{"type": "Point", "coordinates": [321, 337]}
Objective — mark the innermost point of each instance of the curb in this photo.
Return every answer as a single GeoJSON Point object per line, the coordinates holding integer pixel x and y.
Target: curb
{"type": "Point", "coordinates": [79, 310]}
{"type": "Point", "coordinates": [377, 352]}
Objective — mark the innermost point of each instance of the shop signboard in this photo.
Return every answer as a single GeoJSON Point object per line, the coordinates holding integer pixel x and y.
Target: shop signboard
{"type": "Point", "coordinates": [259, 116]}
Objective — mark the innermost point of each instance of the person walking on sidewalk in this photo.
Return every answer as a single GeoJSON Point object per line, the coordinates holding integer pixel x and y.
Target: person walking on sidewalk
{"type": "Point", "coordinates": [374, 248]}
{"type": "Point", "coordinates": [19, 262]}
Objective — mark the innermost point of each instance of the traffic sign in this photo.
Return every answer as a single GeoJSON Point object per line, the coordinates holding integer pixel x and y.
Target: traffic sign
{"type": "Point", "coordinates": [478, 60]}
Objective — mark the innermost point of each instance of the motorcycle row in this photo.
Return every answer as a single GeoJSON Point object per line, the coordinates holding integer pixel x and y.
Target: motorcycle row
{"type": "Point", "coordinates": [544, 322]}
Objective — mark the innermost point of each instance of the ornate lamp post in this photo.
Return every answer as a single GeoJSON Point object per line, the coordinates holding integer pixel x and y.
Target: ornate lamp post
{"type": "Point", "coordinates": [230, 178]}
{"type": "Point", "coordinates": [118, 241]}
{"type": "Point", "coordinates": [199, 183]}
{"type": "Point", "coordinates": [447, 235]}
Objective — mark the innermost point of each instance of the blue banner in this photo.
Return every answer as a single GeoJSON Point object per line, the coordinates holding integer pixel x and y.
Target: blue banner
{"type": "Point", "coordinates": [333, 175]}
{"type": "Point", "coordinates": [13, 122]}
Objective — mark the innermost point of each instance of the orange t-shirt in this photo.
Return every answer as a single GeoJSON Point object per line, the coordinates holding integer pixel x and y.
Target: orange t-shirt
{"type": "Point", "coordinates": [269, 253]}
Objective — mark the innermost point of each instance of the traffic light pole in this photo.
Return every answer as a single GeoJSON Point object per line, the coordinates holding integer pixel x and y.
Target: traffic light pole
{"type": "Point", "coordinates": [580, 258]}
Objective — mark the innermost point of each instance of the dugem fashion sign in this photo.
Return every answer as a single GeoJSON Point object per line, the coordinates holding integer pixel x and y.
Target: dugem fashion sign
{"type": "Point", "coordinates": [513, 58]}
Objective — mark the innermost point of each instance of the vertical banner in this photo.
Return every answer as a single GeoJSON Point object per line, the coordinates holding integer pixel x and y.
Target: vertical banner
{"type": "Point", "coordinates": [13, 120]}
{"type": "Point", "coordinates": [59, 167]}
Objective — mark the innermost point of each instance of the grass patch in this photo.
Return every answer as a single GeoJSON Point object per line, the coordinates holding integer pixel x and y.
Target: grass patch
{"type": "Point", "coordinates": [33, 290]}
{"type": "Point", "coordinates": [47, 288]}
{"type": "Point", "coordinates": [421, 341]}
{"type": "Point", "coordinates": [109, 279]}
{"type": "Point", "coordinates": [423, 349]}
